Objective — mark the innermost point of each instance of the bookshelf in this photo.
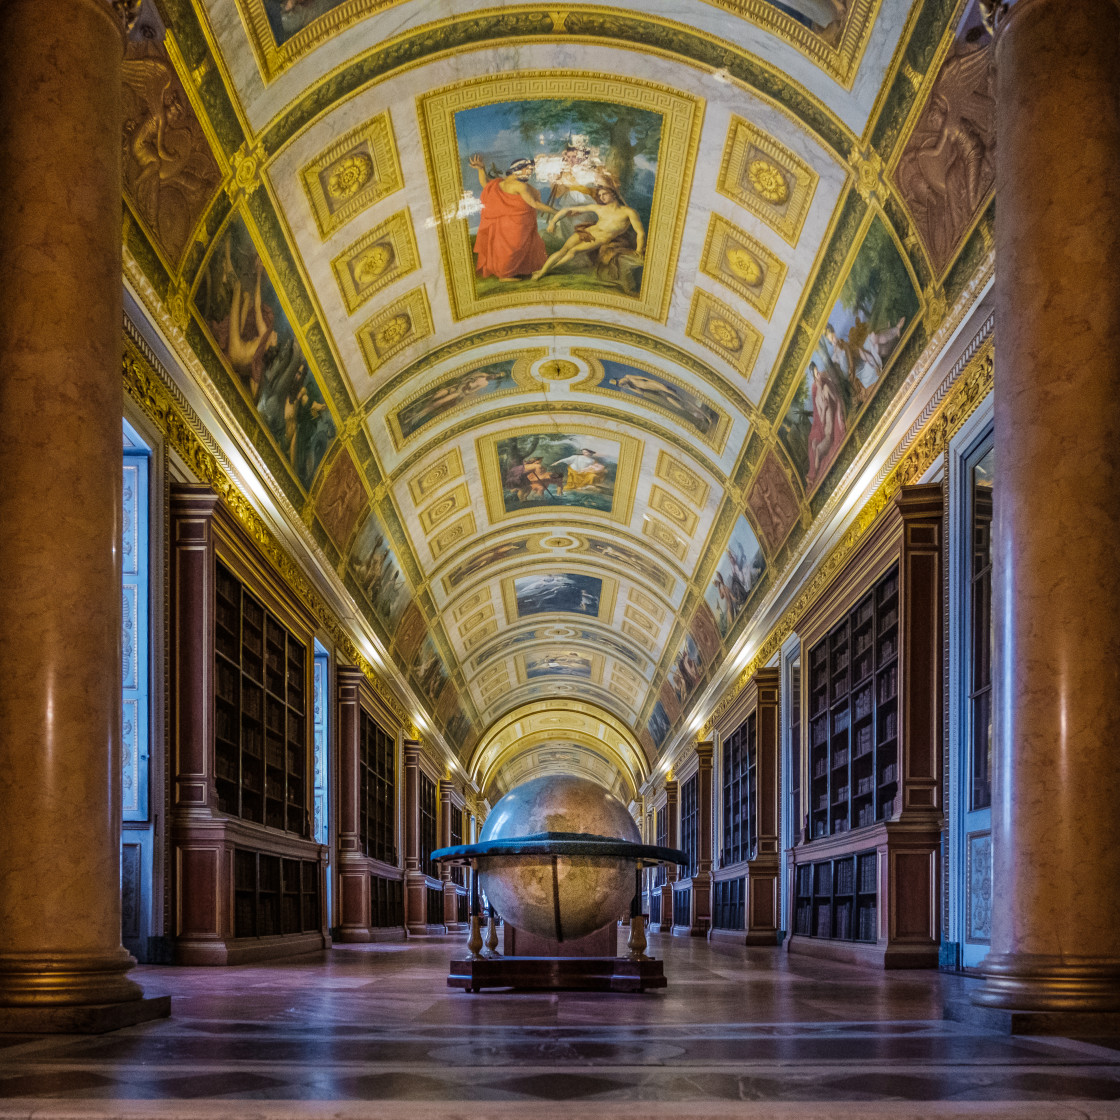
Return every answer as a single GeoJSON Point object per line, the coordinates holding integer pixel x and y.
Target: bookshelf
{"type": "Point", "coordinates": [370, 878]}
{"type": "Point", "coordinates": [690, 812]}
{"type": "Point", "coordinates": [377, 798]}
{"type": "Point", "coordinates": [864, 877]}
{"type": "Point", "coordinates": [428, 825]}
{"type": "Point", "coordinates": [853, 716]}
{"type": "Point", "coordinates": [740, 793]}
{"type": "Point", "coordinates": [746, 880]}
{"type": "Point", "coordinates": [260, 729]}
{"type": "Point", "coordinates": [837, 899]}
{"type": "Point", "coordinates": [248, 878]}
{"type": "Point", "coordinates": [274, 896]}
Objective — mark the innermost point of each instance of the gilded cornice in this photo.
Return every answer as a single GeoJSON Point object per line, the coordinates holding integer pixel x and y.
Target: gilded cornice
{"type": "Point", "coordinates": [559, 328]}
{"type": "Point", "coordinates": [600, 26]}
{"type": "Point", "coordinates": [173, 418]}
{"type": "Point", "coordinates": [973, 384]}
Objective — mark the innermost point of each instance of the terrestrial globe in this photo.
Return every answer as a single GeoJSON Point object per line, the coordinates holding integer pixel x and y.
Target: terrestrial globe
{"type": "Point", "coordinates": [558, 896]}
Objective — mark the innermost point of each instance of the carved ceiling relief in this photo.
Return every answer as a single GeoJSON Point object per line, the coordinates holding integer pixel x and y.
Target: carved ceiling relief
{"type": "Point", "coordinates": [538, 504]}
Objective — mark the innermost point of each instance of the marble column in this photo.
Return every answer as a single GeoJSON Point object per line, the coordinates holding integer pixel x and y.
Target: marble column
{"type": "Point", "coordinates": [62, 966]}
{"type": "Point", "coordinates": [1056, 596]}
{"type": "Point", "coordinates": [353, 867]}
{"type": "Point", "coordinates": [415, 880]}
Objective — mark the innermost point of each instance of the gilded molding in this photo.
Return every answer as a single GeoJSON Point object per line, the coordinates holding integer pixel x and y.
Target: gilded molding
{"type": "Point", "coordinates": [972, 386]}
{"type": "Point", "coordinates": [681, 115]}
{"type": "Point", "coordinates": [743, 264]}
{"type": "Point", "coordinates": [171, 417]}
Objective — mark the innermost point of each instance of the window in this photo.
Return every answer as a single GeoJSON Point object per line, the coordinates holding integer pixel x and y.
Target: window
{"type": "Point", "coordinates": [690, 817]}
{"type": "Point", "coordinates": [980, 635]}
{"type": "Point", "coordinates": [740, 793]}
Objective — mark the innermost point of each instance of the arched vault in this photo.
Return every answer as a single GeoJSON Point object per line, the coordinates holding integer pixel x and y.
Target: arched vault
{"type": "Point", "coordinates": [569, 737]}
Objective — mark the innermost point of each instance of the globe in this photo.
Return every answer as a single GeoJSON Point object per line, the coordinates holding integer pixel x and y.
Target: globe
{"type": "Point", "coordinates": [558, 896]}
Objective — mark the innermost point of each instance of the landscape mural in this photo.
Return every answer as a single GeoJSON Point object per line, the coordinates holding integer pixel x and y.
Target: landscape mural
{"type": "Point", "coordinates": [658, 724]}
{"type": "Point", "coordinates": [483, 561]}
{"type": "Point", "coordinates": [238, 303]}
{"type": "Point", "coordinates": [377, 571]}
{"type": "Point", "coordinates": [437, 401]}
{"type": "Point", "coordinates": [567, 663]}
{"type": "Point", "coordinates": [612, 644]}
{"type": "Point", "coordinates": [288, 17]}
{"type": "Point", "coordinates": [553, 469]}
{"type": "Point", "coordinates": [739, 569]}
{"type": "Point", "coordinates": [823, 17]}
{"type": "Point", "coordinates": [631, 558]}
{"type": "Point", "coordinates": [504, 645]}
{"type": "Point", "coordinates": [688, 407]}
{"type": "Point", "coordinates": [565, 192]}
{"type": "Point", "coordinates": [877, 304]}
{"type": "Point", "coordinates": [577, 594]}
{"type": "Point", "coordinates": [428, 670]}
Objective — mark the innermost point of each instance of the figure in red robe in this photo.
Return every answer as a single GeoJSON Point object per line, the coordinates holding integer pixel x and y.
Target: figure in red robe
{"type": "Point", "coordinates": [508, 244]}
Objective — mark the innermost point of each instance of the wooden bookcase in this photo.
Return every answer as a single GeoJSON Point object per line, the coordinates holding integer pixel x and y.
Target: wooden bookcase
{"type": "Point", "coordinates": [422, 883]}
{"type": "Point", "coordinates": [853, 716]}
{"type": "Point", "coordinates": [691, 893]}
{"type": "Point", "coordinates": [746, 879]}
{"type": "Point", "coordinates": [260, 697]}
{"type": "Point", "coordinates": [864, 876]}
{"type": "Point", "coordinates": [248, 879]}
{"type": "Point", "coordinates": [377, 793]}
{"type": "Point", "coordinates": [370, 876]}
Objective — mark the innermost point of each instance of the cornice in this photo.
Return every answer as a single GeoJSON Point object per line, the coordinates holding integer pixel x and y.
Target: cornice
{"type": "Point", "coordinates": [172, 415]}
{"type": "Point", "coordinates": [962, 391]}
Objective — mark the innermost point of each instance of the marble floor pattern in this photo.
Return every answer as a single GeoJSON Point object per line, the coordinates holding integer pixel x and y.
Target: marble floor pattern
{"type": "Point", "coordinates": [372, 1031]}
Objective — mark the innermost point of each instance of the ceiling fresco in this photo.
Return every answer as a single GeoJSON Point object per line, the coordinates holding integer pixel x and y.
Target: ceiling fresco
{"type": "Point", "coordinates": [558, 329]}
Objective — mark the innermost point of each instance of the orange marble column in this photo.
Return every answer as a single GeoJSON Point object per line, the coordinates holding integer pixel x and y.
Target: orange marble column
{"type": "Point", "coordinates": [1056, 596]}
{"type": "Point", "coordinates": [62, 966]}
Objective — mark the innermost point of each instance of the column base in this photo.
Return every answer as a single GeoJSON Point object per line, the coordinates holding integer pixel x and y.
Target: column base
{"type": "Point", "coordinates": [1029, 982]}
{"type": "Point", "coordinates": [93, 1018]}
{"type": "Point", "coordinates": [66, 979]}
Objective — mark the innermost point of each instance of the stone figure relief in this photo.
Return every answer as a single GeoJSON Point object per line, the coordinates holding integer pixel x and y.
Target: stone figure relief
{"type": "Point", "coordinates": [169, 171]}
{"type": "Point", "coordinates": [342, 498]}
{"type": "Point", "coordinates": [773, 502]}
{"type": "Point", "coordinates": [947, 168]}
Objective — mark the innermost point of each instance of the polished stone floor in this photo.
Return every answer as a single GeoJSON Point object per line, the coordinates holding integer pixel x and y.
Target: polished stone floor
{"type": "Point", "coordinates": [373, 1031]}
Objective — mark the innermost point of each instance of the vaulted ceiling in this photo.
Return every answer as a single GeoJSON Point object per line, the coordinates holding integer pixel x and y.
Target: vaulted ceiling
{"type": "Point", "coordinates": [555, 458]}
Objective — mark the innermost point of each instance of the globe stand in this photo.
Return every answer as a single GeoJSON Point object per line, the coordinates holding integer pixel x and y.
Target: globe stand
{"type": "Point", "coordinates": [636, 942]}
{"type": "Point", "coordinates": [587, 974]}
{"type": "Point", "coordinates": [567, 962]}
{"type": "Point", "coordinates": [474, 940]}
{"type": "Point", "coordinates": [491, 949]}
{"type": "Point", "coordinates": [633, 973]}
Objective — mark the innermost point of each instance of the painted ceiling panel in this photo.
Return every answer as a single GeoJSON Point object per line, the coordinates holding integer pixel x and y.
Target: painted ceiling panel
{"type": "Point", "coordinates": [557, 328]}
{"type": "Point", "coordinates": [274, 51]}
